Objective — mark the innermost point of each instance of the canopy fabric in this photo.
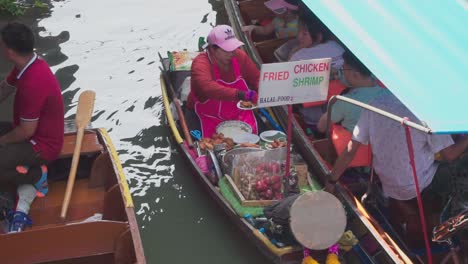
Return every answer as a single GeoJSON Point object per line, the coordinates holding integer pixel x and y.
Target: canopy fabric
{"type": "Point", "coordinates": [418, 49]}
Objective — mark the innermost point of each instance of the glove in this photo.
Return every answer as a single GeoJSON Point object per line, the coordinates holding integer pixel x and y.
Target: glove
{"type": "Point", "coordinates": [252, 96]}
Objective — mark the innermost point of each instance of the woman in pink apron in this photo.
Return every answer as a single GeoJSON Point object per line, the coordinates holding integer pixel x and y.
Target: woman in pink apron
{"type": "Point", "coordinates": [221, 77]}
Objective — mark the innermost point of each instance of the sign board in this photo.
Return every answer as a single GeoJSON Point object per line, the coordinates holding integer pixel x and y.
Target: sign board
{"type": "Point", "coordinates": [294, 82]}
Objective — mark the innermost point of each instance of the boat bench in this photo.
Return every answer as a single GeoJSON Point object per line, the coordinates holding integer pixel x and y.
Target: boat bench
{"type": "Point", "coordinates": [90, 190]}
{"type": "Point", "coordinates": [266, 49]}
{"type": "Point", "coordinates": [89, 145]}
{"type": "Point", "coordinates": [254, 11]}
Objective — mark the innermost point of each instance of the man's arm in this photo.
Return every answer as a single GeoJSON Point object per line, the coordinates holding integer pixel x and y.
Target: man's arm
{"type": "Point", "coordinates": [342, 163]}
{"type": "Point", "coordinates": [5, 90]}
{"type": "Point", "coordinates": [337, 115]}
{"type": "Point", "coordinates": [20, 133]}
{"type": "Point", "coordinates": [454, 151]}
{"type": "Point", "coordinates": [322, 123]}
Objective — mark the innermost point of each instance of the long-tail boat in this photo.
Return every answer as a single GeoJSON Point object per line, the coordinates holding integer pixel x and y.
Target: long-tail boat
{"type": "Point", "coordinates": [100, 224]}
{"type": "Point", "coordinates": [364, 27]}
{"type": "Point", "coordinates": [371, 245]}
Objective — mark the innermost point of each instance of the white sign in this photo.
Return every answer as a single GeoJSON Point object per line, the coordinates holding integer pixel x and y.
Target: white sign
{"type": "Point", "coordinates": [294, 82]}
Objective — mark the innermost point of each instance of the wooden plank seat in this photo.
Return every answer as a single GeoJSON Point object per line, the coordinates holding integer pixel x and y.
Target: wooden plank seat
{"type": "Point", "coordinates": [266, 49]}
{"type": "Point", "coordinates": [63, 242]}
{"type": "Point", "coordinates": [89, 145]}
{"type": "Point", "coordinates": [256, 10]}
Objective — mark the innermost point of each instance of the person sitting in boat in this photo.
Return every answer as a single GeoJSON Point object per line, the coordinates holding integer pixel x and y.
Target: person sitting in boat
{"type": "Point", "coordinates": [36, 135]}
{"type": "Point", "coordinates": [314, 41]}
{"type": "Point", "coordinates": [344, 116]}
{"type": "Point", "coordinates": [222, 76]}
{"type": "Point", "coordinates": [284, 24]}
{"type": "Point", "coordinates": [391, 162]}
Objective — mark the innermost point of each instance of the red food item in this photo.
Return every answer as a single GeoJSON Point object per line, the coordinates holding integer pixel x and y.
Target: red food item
{"type": "Point", "coordinates": [268, 194]}
{"type": "Point", "coordinates": [278, 196]}
{"type": "Point", "coordinates": [275, 178]}
{"type": "Point", "coordinates": [260, 186]}
{"type": "Point", "coordinates": [258, 169]}
{"type": "Point", "coordinates": [276, 186]}
{"type": "Point", "coordinates": [274, 167]}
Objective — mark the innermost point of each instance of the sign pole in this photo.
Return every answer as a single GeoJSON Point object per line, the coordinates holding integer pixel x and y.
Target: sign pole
{"type": "Point", "coordinates": [288, 143]}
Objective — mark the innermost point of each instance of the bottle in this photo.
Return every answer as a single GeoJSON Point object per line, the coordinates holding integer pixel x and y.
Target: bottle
{"type": "Point", "coordinates": [250, 219]}
{"type": "Point", "coordinates": [201, 43]}
{"type": "Point", "coordinates": [260, 220]}
{"type": "Point", "coordinates": [277, 243]}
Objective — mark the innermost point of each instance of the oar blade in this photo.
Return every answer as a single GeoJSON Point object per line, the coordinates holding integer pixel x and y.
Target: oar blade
{"type": "Point", "coordinates": [85, 108]}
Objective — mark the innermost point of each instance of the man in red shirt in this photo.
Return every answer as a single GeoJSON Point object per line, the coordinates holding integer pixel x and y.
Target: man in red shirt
{"type": "Point", "coordinates": [36, 136]}
{"type": "Point", "coordinates": [220, 77]}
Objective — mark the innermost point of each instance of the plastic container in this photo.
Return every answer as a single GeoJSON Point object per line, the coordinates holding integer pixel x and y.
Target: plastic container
{"type": "Point", "coordinates": [233, 127]}
{"type": "Point", "coordinates": [270, 135]}
{"type": "Point", "coordinates": [246, 138]}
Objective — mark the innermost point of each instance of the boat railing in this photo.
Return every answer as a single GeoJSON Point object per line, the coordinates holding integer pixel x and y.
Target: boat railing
{"type": "Point", "coordinates": [402, 120]}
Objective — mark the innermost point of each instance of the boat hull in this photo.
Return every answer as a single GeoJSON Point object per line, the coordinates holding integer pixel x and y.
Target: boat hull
{"type": "Point", "coordinates": [100, 226]}
{"type": "Point", "coordinates": [276, 255]}
{"type": "Point", "coordinates": [318, 155]}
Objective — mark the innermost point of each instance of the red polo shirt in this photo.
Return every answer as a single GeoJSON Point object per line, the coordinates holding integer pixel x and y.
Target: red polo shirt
{"type": "Point", "coordinates": [39, 98]}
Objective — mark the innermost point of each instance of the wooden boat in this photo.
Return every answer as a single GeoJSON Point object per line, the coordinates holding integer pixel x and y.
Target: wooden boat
{"type": "Point", "coordinates": [358, 221]}
{"type": "Point", "coordinates": [101, 191]}
{"type": "Point", "coordinates": [320, 153]}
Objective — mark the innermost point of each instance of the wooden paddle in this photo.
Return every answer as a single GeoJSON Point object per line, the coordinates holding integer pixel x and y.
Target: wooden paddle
{"type": "Point", "coordinates": [180, 112]}
{"type": "Point", "coordinates": [82, 119]}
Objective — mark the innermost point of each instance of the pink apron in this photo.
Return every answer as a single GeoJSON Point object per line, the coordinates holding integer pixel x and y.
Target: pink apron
{"type": "Point", "coordinates": [212, 112]}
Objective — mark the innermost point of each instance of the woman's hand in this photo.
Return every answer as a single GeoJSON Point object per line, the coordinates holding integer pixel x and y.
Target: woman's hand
{"type": "Point", "coordinates": [252, 96]}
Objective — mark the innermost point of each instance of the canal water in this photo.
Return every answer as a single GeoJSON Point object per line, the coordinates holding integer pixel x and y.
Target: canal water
{"type": "Point", "coordinates": [112, 47]}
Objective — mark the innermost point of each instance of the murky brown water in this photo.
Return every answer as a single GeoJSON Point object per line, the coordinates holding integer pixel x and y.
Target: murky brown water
{"type": "Point", "coordinates": [111, 47]}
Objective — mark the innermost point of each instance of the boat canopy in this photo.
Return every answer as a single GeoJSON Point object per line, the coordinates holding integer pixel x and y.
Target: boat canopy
{"type": "Point", "coordinates": [418, 49]}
